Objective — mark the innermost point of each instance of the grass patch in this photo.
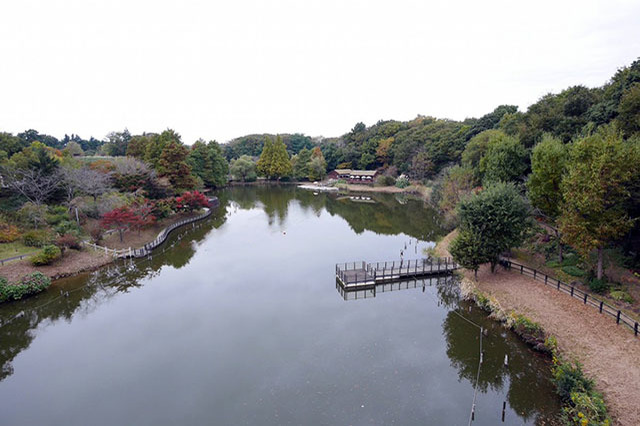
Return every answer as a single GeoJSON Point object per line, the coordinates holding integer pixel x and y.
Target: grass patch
{"type": "Point", "coordinates": [15, 248]}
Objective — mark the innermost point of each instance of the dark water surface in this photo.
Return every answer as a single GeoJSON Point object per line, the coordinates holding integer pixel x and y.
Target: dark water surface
{"type": "Point", "coordinates": [240, 322]}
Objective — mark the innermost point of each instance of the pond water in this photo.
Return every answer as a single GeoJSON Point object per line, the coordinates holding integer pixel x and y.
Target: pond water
{"type": "Point", "coordinates": [240, 322]}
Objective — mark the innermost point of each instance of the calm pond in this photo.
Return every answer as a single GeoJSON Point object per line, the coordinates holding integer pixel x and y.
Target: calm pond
{"type": "Point", "coordinates": [240, 322]}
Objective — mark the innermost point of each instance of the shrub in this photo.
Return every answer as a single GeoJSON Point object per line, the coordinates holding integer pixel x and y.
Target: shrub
{"type": "Point", "coordinates": [68, 241]}
{"type": "Point", "coordinates": [163, 208]}
{"type": "Point", "coordinates": [553, 264]}
{"type": "Point", "coordinates": [190, 201]}
{"type": "Point", "coordinates": [66, 227]}
{"type": "Point", "coordinates": [8, 232]}
{"type": "Point", "coordinates": [571, 259]}
{"type": "Point", "coordinates": [574, 271]}
{"type": "Point", "coordinates": [598, 285]}
{"type": "Point", "coordinates": [30, 284]}
{"type": "Point", "coordinates": [36, 238]}
{"type": "Point", "coordinates": [621, 296]}
{"type": "Point", "coordinates": [569, 378]}
{"type": "Point", "coordinates": [48, 254]}
{"type": "Point", "coordinates": [385, 180]}
{"type": "Point", "coordinates": [586, 408]}
{"type": "Point", "coordinates": [402, 181]}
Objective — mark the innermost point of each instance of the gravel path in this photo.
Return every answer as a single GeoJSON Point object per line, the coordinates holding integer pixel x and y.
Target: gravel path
{"type": "Point", "coordinates": [608, 352]}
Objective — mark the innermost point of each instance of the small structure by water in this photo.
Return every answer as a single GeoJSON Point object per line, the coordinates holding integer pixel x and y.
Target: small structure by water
{"type": "Point", "coordinates": [361, 275]}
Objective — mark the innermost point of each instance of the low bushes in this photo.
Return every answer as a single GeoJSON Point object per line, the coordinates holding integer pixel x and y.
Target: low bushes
{"type": "Point", "coordinates": [8, 233]}
{"type": "Point", "coordinates": [36, 238]}
{"type": "Point", "coordinates": [402, 181]}
{"type": "Point", "coordinates": [621, 296]}
{"type": "Point", "coordinates": [68, 241]}
{"type": "Point", "coordinates": [574, 271]}
{"type": "Point", "coordinates": [598, 285]}
{"type": "Point", "coordinates": [385, 181]}
{"type": "Point", "coordinates": [30, 284]}
{"type": "Point", "coordinates": [48, 254]}
{"type": "Point", "coordinates": [583, 405]}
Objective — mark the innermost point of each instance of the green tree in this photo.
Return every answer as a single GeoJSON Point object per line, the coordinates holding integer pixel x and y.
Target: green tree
{"type": "Point", "coordinates": [117, 143]}
{"type": "Point", "coordinates": [243, 168]}
{"type": "Point", "coordinates": [11, 144]}
{"type": "Point", "coordinates": [281, 162]}
{"type": "Point", "coordinates": [548, 167]}
{"type": "Point", "coordinates": [173, 165]}
{"type": "Point", "coordinates": [317, 169]}
{"type": "Point", "coordinates": [506, 160]}
{"type": "Point", "coordinates": [265, 161]}
{"type": "Point", "coordinates": [497, 219]}
{"type": "Point", "coordinates": [629, 111]}
{"type": "Point", "coordinates": [476, 149]}
{"type": "Point", "coordinates": [138, 145]}
{"type": "Point", "coordinates": [468, 250]}
{"type": "Point", "coordinates": [36, 156]}
{"type": "Point", "coordinates": [157, 144]}
{"type": "Point", "coordinates": [595, 192]}
{"type": "Point", "coordinates": [208, 163]}
{"type": "Point", "coordinates": [274, 161]}
{"type": "Point", "coordinates": [301, 164]}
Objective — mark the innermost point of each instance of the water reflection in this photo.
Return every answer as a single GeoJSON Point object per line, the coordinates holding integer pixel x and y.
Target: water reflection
{"type": "Point", "coordinates": [527, 372]}
{"type": "Point", "coordinates": [446, 286]}
{"type": "Point", "coordinates": [81, 294]}
{"type": "Point", "coordinates": [386, 214]}
{"type": "Point", "coordinates": [241, 326]}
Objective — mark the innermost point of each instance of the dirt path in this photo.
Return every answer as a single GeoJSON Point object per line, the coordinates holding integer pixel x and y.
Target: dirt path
{"type": "Point", "coordinates": [73, 262]}
{"type": "Point", "coordinates": [608, 352]}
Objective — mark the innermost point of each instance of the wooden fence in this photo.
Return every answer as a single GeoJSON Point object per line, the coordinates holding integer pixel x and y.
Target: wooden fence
{"type": "Point", "coordinates": [20, 257]}
{"type": "Point", "coordinates": [160, 239]}
{"type": "Point", "coordinates": [586, 298]}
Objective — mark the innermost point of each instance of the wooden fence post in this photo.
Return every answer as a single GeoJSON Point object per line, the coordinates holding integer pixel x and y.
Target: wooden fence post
{"type": "Point", "coordinates": [618, 318]}
{"type": "Point", "coordinates": [601, 303]}
{"type": "Point", "coordinates": [571, 291]}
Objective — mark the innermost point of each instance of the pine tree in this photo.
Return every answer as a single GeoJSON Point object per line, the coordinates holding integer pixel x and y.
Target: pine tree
{"type": "Point", "coordinates": [281, 166]}
{"type": "Point", "coordinates": [265, 162]}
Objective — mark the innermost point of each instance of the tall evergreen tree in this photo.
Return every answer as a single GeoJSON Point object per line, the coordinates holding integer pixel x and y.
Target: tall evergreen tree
{"type": "Point", "coordinates": [266, 159]}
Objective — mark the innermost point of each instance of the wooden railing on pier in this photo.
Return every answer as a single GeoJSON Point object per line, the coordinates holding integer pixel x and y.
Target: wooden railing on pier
{"type": "Point", "coordinates": [586, 298]}
{"type": "Point", "coordinates": [362, 274]}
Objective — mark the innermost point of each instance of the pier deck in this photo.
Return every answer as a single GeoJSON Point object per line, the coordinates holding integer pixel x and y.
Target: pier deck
{"type": "Point", "coordinates": [361, 275]}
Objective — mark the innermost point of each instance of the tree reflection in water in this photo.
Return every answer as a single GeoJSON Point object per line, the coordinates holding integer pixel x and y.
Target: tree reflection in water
{"type": "Point", "coordinates": [81, 294]}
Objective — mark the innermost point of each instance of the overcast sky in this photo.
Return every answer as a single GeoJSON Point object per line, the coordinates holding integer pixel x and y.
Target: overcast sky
{"type": "Point", "coordinates": [222, 69]}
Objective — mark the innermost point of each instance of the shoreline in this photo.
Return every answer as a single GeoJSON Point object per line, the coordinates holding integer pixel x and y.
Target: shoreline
{"type": "Point", "coordinates": [582, 334]}
{"type": "Point", "coordinates": [73, 263]}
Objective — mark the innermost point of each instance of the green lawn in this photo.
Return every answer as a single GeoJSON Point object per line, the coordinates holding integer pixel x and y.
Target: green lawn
{"type": "Point", "coordinates": [15, 248]}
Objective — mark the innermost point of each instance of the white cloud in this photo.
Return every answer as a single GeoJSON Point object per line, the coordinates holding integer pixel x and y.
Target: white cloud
{"type": "Point", "coordinates": [217, 70]}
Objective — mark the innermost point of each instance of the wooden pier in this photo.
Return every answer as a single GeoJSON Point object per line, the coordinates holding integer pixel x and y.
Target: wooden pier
{"type": "Point", "coordinates": [362, 275]}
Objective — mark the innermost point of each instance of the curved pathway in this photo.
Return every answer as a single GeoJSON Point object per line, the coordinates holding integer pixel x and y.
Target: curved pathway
{"type": "Point", "coordinates": [608, 352]}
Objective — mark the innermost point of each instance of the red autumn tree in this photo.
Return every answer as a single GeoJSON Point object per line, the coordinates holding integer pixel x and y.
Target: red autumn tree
{"type": "Point", "coordinates": [121, 219]}
{"type": "Point", "coordinates": [191, 200]}
{"type": "Point", "coordinates": [144, 211]}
